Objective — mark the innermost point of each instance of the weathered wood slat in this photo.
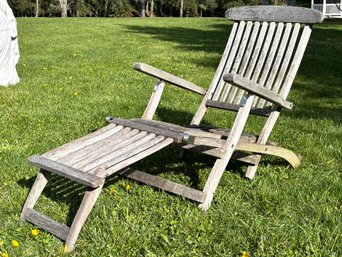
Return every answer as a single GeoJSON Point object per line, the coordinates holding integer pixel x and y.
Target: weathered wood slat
{"type": "Point", "coordinates": [217, 77]}
{"type": "Point", "coordinates": [217, 85]}
{"type": "Point", "coordinates": [200, 131]}
{"type": "Point", "coordinates": [205, 131]}
{"type": "Point", "coordinates": [160, 125]}
{"type": "Point", "coordinates": [257, 90]}
{"type": "Point", "coordinates": [59, 230]}
{"type": "Point", "coordinates": [106, 160]}
{"type": "Point", "coordinates": [109, 148]}
{"type": "Point", "coordinates": [269, 60]}
{"type": "Point", "coordinates": [287, 58]}
{"type": "Point", "coordinates": [242, 47]}
{"type": "Point", "coordinates": [225, 91]}
{"type": "Point", "coordinates": [134, 151]}
{"type": "Point", "coordinates": [278, 59]}
{"type": "Point", "coordinates": [163, 132]}
{"type": "Point", "coordinates": [264, 52]}
{"type": "Point", "coordinates": [250, 47]}
{"type": "Point", "coordinates": [82, 142]}
{"type": "Point", "coordinates": [235, 107]}
{"type": "Point", "coordinates": [139, 154]}
{"type": "Point", "coordinates": [263, 55]}
{"type": "Point", "coordinates": [246, 60]}
{"type": "Point", "coordinates": [168, 77]}
{"type": "Point", "coordinates": [238, 60]}
{"type": "Point", "coordinates": [275, 13]}
{"type": "Point", "coordinates": [163, 184]}
{"type": "Point", "coordinates": [258, 46]}
{"type": "Point", "coordinates": [65, 171]}
{"type": "Point", "coordinates": [230, 61]}
{"type": "Point", "coordinates": [296, 61]}
{"type": "Point", "coordinates": [191, 130]}
{"type": "Point", "coordinates": [83, 153]}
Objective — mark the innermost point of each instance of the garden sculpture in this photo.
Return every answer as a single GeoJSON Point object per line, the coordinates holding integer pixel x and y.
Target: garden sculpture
{"type": "Point", "coordinates": [9, 50]}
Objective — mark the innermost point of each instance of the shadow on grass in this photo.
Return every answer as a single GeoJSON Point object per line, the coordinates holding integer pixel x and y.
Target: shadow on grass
{"type": "Point", "coordinates": [189, 39]}
{"type": "Point", "coordinates": [319, 85]}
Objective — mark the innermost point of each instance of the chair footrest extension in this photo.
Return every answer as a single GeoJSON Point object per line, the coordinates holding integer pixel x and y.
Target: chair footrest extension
{"type": "Point", "coordinates": [163, 184]}
{"type": "Point", "coordinates": [60, 169]}
{"type": "Point", "coordinates": [59, 230]}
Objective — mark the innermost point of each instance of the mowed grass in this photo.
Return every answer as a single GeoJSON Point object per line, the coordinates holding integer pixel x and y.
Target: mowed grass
{"type": "Point", "coordinates": [75, 72]}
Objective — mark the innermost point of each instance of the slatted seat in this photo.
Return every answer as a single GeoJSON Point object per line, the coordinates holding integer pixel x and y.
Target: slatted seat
{"type": "Point", "coordinates": [254, 77]}
{"type": "Point", "coordinates": [109, 150]}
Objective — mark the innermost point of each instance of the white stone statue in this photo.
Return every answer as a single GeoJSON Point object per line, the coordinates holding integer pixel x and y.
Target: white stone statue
{"type": "Point", "coordinates": [9, 50]}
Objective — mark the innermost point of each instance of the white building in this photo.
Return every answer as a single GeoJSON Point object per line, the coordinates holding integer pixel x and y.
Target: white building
{"type": "Point", "coordinates": [330, 8]}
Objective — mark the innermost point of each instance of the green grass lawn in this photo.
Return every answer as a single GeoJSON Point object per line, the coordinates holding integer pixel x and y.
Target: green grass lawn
{"type": "Point", "coordinates": [75, 72]}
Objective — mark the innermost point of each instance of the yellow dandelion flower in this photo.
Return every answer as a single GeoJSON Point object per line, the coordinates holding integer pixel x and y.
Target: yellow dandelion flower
{"type": "Point", "coordinates": [34, 232]}
{"type": "Point", "coordinates": [128, 187]}
{"type": "Point", "coordinates": [15, 243]}
{"type": "Point", "coordinates": [4, 255]}
{"type": "Point", "coordinates": [75, 93]}
{"type": "Point", "coordinates": [245, 254]}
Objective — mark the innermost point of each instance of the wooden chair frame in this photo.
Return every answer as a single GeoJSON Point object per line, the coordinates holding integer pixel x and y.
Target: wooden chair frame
{"type": "Point", "coordinates": [254, 77]}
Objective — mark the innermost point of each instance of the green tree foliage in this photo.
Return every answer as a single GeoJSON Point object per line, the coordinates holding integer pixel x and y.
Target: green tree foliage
{"type": "Point", "coordinates": [118, 8]}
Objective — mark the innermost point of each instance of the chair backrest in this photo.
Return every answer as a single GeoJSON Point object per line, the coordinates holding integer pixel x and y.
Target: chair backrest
{"type": "Point", "coordinates": [266, 45]}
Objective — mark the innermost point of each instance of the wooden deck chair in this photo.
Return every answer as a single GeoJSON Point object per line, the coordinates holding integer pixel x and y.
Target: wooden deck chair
{"type": "Point", "coordinates": [254, 77]}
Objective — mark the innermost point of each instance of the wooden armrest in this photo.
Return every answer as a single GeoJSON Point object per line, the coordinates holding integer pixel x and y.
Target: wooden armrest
{"type": "Point", "coordinates": [168, 77]}
{"type": "Point", "coordinates": [256, 89]}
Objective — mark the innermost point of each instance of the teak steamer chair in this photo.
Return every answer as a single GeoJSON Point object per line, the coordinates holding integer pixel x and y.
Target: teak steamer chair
{"type": "Point", "coordinates": [254, 76]}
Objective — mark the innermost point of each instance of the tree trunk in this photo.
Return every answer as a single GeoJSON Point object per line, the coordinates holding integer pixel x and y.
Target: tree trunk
{"type": "Point", "coordinates": [143, 8]}
{"type": "Point", "coordinates": [152, 5]}
{"type": "Point", "coordinates": [64, 8]}
{"type": "Point", "coordinates": [265, 2]}
{"type": "Point", "coordinates": [181, 8]}
{"type": "Point", "coordinates": [147, 8]}
{"type": "Point", "coordinates": [37, 8]}
{"type": "Point", "coordinates": [106, 8]}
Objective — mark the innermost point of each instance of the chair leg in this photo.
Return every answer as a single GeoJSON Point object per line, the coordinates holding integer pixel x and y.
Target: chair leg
{"type": "Point", "coordinates": [252, 169]}
{"type": "Point", "coordinates": [265, 133]}
{"type": "Point", "coordinates": [36, 190]}
{"type": "Point", "coordinates": [84, 210]}
{"type": "Point", "coordinates": [229, 147]}
{"type": "Point", "coordinates": [212, 183]}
